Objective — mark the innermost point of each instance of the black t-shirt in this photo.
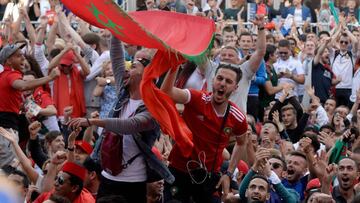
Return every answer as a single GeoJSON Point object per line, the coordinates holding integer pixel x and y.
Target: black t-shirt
{"type": "Point", "coordinates": [321, 81]}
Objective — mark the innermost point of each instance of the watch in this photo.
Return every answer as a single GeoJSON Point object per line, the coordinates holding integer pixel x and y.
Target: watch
{"type": "Point", "coordinates": [108, 81]}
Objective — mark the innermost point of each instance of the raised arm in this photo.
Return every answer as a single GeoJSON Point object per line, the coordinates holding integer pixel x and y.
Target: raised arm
{"type": "Point", "coordinates": [28, 85]}
{"type": "Point", "coordinates": [24, 161]}
{"type": "Point", "coordinates": [85, 69]}
{"type": "Point", "coordinates": [257, 57]}
{"type": "Point", "coordinates": [321, 51]}
{"type": "Point", "coordinates": [178, 95]}
{"type": "Point", "coordinates": [117, 61]}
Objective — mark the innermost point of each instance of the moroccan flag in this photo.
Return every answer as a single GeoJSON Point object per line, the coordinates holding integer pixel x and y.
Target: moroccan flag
{"type": "Point", "coordinates": [177, 37]}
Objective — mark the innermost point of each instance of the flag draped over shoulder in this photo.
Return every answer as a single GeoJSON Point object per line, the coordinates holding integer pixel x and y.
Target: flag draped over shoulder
{"type": "Point", "coordinates": [177, 37]}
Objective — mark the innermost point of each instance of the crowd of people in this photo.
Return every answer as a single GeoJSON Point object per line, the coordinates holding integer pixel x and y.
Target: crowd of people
{"type": "Point", "coordinates": [273, 110]}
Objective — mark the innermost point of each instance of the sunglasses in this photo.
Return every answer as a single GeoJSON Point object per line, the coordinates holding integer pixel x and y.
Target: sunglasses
{"type": "Point", "coordinates": [276, 165]}
{"type": "Point", "coordinates": [60, 180]}
{"type": "Point", "coordinates": [222, 64]}
{"type": "Point", "coordinates": [143, 61]}
{"type": "Point", "coordinates": [283, 53]}
{"type": "Point", "coordinates": [344, 42]}
{"type": "Point", "coordinates": [65, 66]}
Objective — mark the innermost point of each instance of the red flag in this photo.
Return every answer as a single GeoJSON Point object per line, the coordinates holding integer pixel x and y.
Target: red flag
{"type": "Point", "coordinates": [176, 36]}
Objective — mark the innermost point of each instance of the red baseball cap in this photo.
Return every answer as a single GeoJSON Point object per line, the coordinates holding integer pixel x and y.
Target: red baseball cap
{"type": "Point", "coordinates": [74, 169]}
{"type": "Point", "coordinates": [243, 167]}
{"type": "Point", "coordinates": [85, 146]}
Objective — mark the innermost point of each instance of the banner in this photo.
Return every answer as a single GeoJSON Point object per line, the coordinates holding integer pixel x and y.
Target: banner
{"type": "Point", "coordinates": [177, 37]}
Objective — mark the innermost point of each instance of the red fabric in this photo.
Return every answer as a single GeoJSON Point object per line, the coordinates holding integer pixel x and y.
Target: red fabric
{"type": "Point", "coordinates": [75, 98]}
{"type": "Point", "coordinates": [243, 167]}
{"type": "Point", "coordinates": [42, 98]}
{"type": "Point", "coordinates": [174, 35]}
{"type": "Point", "coordinates": [199, 115]}
{"type": "Point", "coordinates": [84, 197]}
{"type": "Point", "coordinates": [74, 169]}
{"type": "Point", "coordinates": [10, 98]}
{"type": "Point", "coordinates": [85, 146]}
{"type": "Point", "coordinates": [261, 9]}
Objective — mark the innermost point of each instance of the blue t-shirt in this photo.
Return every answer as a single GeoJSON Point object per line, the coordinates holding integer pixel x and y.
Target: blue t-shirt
{"type": "Point", "coordinates": [299, 186]}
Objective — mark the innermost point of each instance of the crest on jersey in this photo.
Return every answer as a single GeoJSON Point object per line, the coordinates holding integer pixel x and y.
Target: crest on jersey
{"type": "Point", "coordinates": [227, 130]}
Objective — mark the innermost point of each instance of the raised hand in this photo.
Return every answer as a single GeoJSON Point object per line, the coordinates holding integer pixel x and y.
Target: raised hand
{"type": "Point", "coordinates": [259, 21]}
{"type": "Point", "coordinates": [72, 137]}
{"type": "Point", "coordinates": [59, 158]}
{"type": "Point", "coordinates": [55, 72]}
{"type": "Point", "coordinates": [8, 135]}
{"type": "Point", "coordinates": [34, 129]}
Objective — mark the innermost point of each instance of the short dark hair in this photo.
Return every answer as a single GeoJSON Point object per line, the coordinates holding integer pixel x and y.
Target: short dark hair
{"type": "Point", "coordinates": [356, 166]}
{"type": "Point", "coordinates": [298, 153]}
{"type": "Point", "coordinates": [91, 166]}
{"type": "Point", "coordinates": [327, 126]}
{"type": "Point", "coordinates": [228, 29]}
{"type": "Point", "coordinates": [91, 38]}
{"type": "Point", "coordinates": [324, 32]}
{"type": "Point", "coordinates": [25, 181]}
{"type": "Point", "coordinates": [232, 67]}
{"type": "Point", "coordinates": [272, 122]}
{"type": "Point", "coordinates": [245, 34]}
{"type": "Point", "coordinates": [270, 50]}
{"type": "Point", "coordinates": [263, 178]}
{"type": "Point", "coordinates": [284, 43]}
{"type": "Point", "coordinates": [314, 141]}
{"type": "Point", "coordinates": [59, 199]}
{"type": "Point", "coordinates": [54, 52]}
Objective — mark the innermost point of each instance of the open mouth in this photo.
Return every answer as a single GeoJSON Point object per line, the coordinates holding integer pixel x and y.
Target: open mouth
{"type": "Point", "coordinates": [255, 198]}
{"type": "Point", "coordinates": [345, 179]}
{"type": "Point", "coordinates": [221, 92]}
{"type": "Point", "coordinates": [290, 172]}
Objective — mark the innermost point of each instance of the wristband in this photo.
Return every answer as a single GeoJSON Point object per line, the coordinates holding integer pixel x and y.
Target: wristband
{"type": "Point", "coordinates": [70, 149]}
{"type": "Point", "coordinates": [88, 121]}
{"type": "Point", "coordinates": [261, 28]}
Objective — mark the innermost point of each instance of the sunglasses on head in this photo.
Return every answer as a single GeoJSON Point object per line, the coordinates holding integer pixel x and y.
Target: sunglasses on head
{"type": "Point", "coordinates": [283, 53]}
{"type": "Point", "coordinates": [143, 61]}
{"type": "Point", "coordinates": [344, 42]}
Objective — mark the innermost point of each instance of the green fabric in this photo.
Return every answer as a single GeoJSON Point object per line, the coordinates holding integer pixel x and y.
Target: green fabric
{"type": "Point", "coordinates": [338, 152]}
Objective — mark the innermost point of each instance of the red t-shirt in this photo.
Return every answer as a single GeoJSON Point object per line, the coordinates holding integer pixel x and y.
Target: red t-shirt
{"type": "Point", "coordinates": [42, 98]}
{"type": "Point", "coordinates": [84, 197]}
{"type": "Point", "coordinates": [10, 98]}
{"type": "Point", "coordinates": [203, 121]}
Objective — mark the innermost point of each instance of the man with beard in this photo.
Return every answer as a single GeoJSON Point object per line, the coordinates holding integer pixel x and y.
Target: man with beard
{"type": "Point", "coordinates": [322, 77]}
{"type": "Point", "coordinates": [346, 175]}
{"type": "Point", "coordinates": [69, 183]}
{"type": "Point", "coordinates": [258, 190]}
{"type": "Point", "coordinates": [296, 169]}
{"type": "Point", "coordinates": [213, 119]}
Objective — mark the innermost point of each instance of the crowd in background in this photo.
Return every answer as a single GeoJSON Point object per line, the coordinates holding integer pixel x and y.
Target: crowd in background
{"type": "Point", "coordinates": [281, 82]}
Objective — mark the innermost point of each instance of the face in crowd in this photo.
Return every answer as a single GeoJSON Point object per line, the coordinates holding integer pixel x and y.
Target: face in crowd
{"type": "Point", "coordinates": [246, 42]}
{"type": "Point", "coordinates": [258, 190]}
{"type": "Point", "coordinates": [347, 174]}
{"type": "Point", "coordinates": [284, 53]}
{"type": "Point", "coordinates": [296, 168]}
{"type": "Point", "coordinates": [224, 83]}
{"type": "Point", "coordinates": [288, 117]}
{"type": "Point", "coordinates": [229, 55]}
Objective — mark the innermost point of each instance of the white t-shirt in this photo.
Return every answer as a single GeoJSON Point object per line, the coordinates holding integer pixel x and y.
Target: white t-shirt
{"type": "Point", "coordinates": [343, 67]}
{"type": "Point", "coordinates": [292, 65]}
{"type": "Point", "coordinates": [196, 80]}
{"type": "Point", "coordinates": [136, 171]}
{"type": "Point", "coordinates": [298, 16]}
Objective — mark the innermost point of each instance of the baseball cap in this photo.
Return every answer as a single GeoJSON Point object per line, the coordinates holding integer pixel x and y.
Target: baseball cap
{"type": "Point", "coordinates": [9, 50]}
{"type": "Point", "coordinates": [85, 146]}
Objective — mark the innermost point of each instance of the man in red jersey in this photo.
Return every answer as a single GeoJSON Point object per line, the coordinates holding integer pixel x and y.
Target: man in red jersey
{"type": "Point", "coordinates": [212, 118]}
